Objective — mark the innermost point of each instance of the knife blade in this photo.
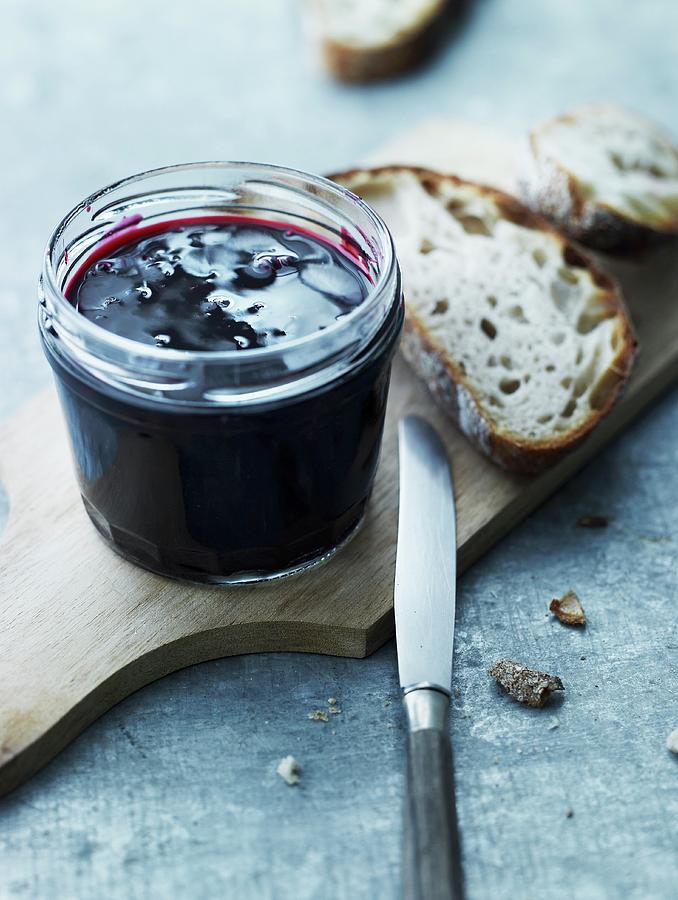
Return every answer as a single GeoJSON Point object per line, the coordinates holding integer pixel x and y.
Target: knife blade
{"type": "Point", "coordinates": [425, 600]}
{"type": "Point", "coordinates": [426, 561]}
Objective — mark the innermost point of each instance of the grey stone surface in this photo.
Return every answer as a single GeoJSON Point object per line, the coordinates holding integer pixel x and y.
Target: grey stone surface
{"type": "Point", "coordinates": [174, 793]}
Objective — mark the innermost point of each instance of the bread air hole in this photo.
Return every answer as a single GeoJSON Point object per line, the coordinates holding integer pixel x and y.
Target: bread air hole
{"type": "Point", "coordinates": [569, 408]}
{"type": "Point", "coordinates": [517, 312]}
{"type": "Point", "coordinates": [492, 362]}
{"type": "Point", "coordinates": [590, 319]}
{"type": "Point", "coordinates": [492, 301]}
{"type": "Point", "coordinates": [506, 362]}
{"type": "Point", "coordinates": [539, 256]}
{"type": "Point", "coordinates": [494, 401]}
{"type": "Point", "coordinates": [441, 307]}
{"type": "Point", "coordinates": [585, 378]}
{"type": "Point", "coordinates": [550, 368]}
{"type": "Point", "coordinates": [568, 275]}
{"type": "Point", "coordinates": [566, 382]}
{"type": "Point", "coordinates": [604, 390]}
{"type": "Point", "coordinates": [545, 419]}
{"type": "Point", "coordinates": [564, 294]}
{"type": "Point", "coordinates": [488, 328]}
{"type": "Point", "coordinates": [472, 224]}
{"type": "Point", "coordinates": [509, 385]}
{"type": "Point", "coordinates": [426, 246]}
{"type": "Point", "coordinates": [627, 165]}
{"type": "Point", "coordinates": [617, 162]}
{"type": "Point", "coordinates": [558, 338]}
{"type": "Point", "coordinates": [582, 383]}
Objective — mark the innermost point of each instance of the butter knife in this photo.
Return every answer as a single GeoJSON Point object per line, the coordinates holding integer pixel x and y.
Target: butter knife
{"type": "Point", "coordinates": [425, 595]}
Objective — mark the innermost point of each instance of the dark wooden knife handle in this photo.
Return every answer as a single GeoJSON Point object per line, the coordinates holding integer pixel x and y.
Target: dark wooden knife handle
{"type": "Point", "coordinates": [431, 854]}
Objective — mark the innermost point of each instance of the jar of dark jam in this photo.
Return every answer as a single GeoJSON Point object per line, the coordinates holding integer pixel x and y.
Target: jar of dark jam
{"type": "Point", "coordinates": [221, 336]}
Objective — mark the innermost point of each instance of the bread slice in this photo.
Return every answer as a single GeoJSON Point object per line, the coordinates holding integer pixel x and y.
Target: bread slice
{"type": "Point", "coordinates": [606, 176]}
{"type": "Point", "coordinates": [366, 40]}
{"type": "Point", "coordinates": [516, 333]}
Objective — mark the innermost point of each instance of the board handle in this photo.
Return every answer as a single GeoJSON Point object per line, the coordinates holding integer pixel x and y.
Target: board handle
{"type": "Point", "coordinates": [431, 846]}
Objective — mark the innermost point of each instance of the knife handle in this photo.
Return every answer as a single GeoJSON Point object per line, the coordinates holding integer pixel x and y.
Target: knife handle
{"type": "Point", "coordinates": [431, 853]}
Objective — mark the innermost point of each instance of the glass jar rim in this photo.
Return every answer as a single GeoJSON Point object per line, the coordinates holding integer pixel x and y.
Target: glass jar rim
{"type": "Point", "coordinates": [50, 279]}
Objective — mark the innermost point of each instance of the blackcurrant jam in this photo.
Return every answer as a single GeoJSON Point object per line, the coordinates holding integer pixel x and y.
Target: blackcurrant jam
{"type": "Point", "coordinates": [217, 285]}
{"type": "Point", "coordinates": [221, 337]}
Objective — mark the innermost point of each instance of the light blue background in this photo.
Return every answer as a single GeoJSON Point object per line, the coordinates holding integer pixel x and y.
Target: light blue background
{"type": "Point", "coordinates": [174, 793]}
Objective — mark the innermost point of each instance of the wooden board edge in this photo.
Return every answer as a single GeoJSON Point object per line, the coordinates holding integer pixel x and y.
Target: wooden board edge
{"type": "Point", "coordinates": [256, 637]}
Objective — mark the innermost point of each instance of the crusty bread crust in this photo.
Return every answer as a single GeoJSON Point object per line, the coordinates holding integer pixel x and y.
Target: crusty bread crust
{"type": "Point", "coordinates": [366, 64]}
{"type": "Point", "coordinates": [557, 196]}
{"type": "Point", "coordinates": [555, 193]}
{"type": "Point", "coordinates": [454, 391]}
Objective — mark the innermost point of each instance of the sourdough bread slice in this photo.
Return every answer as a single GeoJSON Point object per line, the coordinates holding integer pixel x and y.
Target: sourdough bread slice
{"type": "Point", "coordinates": [365, 40]}
{"type": "Point", "coordinates": [606, 176]}
{"type": "Point", "coordinates": [516, 333]}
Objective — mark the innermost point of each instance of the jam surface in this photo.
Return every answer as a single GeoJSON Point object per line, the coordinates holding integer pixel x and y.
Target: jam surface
{"type": "Point", "coordinates": [234, 285]}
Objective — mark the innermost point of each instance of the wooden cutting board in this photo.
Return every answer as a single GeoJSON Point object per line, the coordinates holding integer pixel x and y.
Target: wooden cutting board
{"type": "Point", "coordinates": [81, 628]}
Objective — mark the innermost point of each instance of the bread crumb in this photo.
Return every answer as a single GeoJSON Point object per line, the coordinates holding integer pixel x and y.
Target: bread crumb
{"type": "Point", "coordinates": [335, 710]}
{"type": "Point", "coordinates": [319, 715]}
{"type": "Point", "coordinates": [525, 685]}
{"type": "Point", "coordinates": [332, 701]}
{"type": "Point", "coordinates": [569, 813]}
{"type": "Point", "coordinates": [289, 770]}
{"type": "Point", "coordinates": [568, 609]}
{"type": "Point", "coordinates": [672, 741]}
{"type": "Point", "coordinates": [553, 724]}
{"type": "Point", "coordinates": [593, 522]}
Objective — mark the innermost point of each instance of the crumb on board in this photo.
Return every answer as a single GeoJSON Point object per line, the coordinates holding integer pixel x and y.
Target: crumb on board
{"type": "Point", "coordinates": [672, 741]}
{"type": "Point", "coordinates": [335, 710]}
{"type": "Point", "coordinates": [289, 770]}
{"type": "Point", "coordinates": [525, 685]}
{"type": "Point", "coordinates": [553, 724]}
{"type": "Point", "coordinates": [319, 715]}
{"type": "Point", "coordinates": [569, 812]}
{"type": "Point", "coordinates": [593, 522]}
{"type": "Point", "coordinates": [332, 701]}
{"type": "Point", "coordinates": [568, 609]}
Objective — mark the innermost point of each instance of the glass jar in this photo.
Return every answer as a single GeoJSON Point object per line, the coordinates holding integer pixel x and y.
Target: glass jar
{"type": "Point", "coordinates": [224, 466]}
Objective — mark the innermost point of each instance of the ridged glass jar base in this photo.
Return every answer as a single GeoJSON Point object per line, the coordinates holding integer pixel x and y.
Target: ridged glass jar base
{"type": "Point", "coordinates": [191, 576]}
